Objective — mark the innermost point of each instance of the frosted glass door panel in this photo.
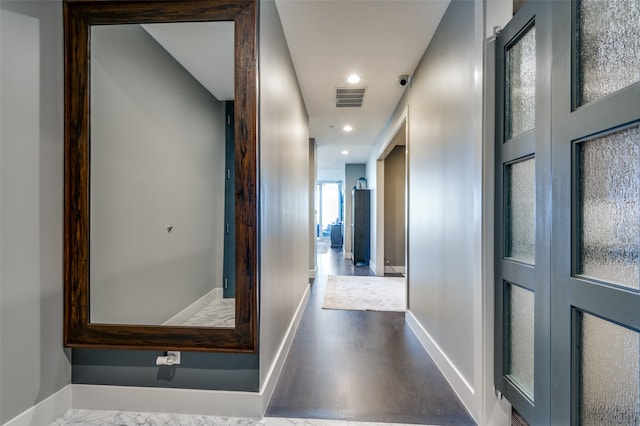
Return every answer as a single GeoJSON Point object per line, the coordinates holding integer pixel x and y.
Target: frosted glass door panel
{"type": "Point", "coordinates": [608, 47]}
{"type": "Point", "coordinates": [521, 211]}
{"type": "Point", "coordinates": [609, 207]}
{"type": "Point", "coordinates": [520, 328]}
{"type": "Point", "coordinates": [520, 90]}
{"type": "Point", "coordinates": [609, 373]}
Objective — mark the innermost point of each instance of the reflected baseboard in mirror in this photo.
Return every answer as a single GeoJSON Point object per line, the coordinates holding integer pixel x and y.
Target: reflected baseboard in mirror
{"type": "Point", "coordinates": [163, 149]}
{"type": "Point", "coordinates": [211, 310]}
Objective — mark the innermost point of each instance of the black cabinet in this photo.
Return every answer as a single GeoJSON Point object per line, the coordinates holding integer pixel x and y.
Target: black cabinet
{"type": "Point", "coordinates": [360, 221]}
{"type": "Point", "coordinates": [336, 235]}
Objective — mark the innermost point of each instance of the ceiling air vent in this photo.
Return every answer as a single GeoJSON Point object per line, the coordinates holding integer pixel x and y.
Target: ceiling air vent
{"type": "Point", "coordinates": [349, 97]}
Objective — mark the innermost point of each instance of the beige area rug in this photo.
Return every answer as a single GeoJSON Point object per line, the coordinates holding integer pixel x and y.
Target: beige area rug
{"type": "Point", "coordinates": [357, 293]}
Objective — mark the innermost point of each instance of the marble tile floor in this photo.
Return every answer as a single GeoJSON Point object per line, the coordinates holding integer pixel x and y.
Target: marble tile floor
{"type": "Point", "coordinates": [77, 417]}
{"type": "Point", "coordinates": [219, 313]}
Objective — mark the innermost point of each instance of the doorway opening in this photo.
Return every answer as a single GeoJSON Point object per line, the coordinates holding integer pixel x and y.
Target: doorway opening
{"type": "Point", "coordinates": [394, 210]}
{"type": "Point", "coordinates": [392, 206]}
{"type": "Point", "coordinates": [392, 242]}
{"type": "Point", "coordinates": [330, 228]}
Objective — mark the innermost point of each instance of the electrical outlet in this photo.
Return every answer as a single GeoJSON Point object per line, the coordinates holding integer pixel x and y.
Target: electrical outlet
{"type": "Point", "coordinates": [171, 358]}
{"type": "Point", "coordinates": [175, 355]}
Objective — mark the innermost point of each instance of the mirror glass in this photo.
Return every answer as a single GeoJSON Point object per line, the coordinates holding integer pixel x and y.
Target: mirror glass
{"type": "Point", "coordinates": [161, 122]}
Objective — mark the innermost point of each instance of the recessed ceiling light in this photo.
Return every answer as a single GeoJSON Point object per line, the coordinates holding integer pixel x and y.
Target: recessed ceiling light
{"type": "Point", "coordinates": [345, 152]}
{"type": "Point", "coordinates": [354, 79]}
{"type": "Point", "coordinates": [347, 128]}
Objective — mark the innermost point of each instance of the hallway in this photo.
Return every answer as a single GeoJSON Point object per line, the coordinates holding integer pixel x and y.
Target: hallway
{"type": "Point", "coordinates": [360, 365]}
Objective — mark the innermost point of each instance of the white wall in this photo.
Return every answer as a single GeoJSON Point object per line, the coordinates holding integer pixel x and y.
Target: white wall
{"type": "Point", "coordinates": [446, 203]}
{"type": "Point", "coordinates": [497, 13]}
{"type": "Point", "coordinates": [284, 189]}
{"type": "Point", "coordinates": [157, 159]}
{"type": "Point", "coordinates": [33, 364]}
{"type": "Point", "coordinates": [313, 209]}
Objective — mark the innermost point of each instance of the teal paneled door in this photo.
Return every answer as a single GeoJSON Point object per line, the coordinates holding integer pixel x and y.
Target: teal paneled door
{"type": "Point", "coordinates": [568, 212]}
{"type": "Point", "coordinates": [523, 165]}
{"type": "Point", "coordinates": [595, 273]}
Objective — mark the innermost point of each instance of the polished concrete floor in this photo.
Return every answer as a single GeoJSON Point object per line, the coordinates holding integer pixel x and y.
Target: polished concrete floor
{"type": "Point", "coordinates": [360, 366]}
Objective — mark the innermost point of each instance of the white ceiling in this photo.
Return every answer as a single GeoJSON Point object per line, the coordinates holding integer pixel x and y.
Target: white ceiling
{"type": "Point", "coordinates": [329, 40]}
{"type": "Point", "coordinates": [205, 49]}
{"type": "Point", "coordinates": [376, 39]}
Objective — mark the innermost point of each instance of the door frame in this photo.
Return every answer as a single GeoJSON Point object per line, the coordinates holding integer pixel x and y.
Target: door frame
{"type": "Point", "coordinates": [380, 168]}
{"type": "Point", "coordinates": [535, 143]}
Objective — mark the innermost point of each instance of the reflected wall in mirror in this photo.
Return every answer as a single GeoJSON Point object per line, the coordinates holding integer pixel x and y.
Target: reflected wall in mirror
{"type": "Point", "coordinates": [160, 94]}
{"type": "Point", "coordinates": [160, 175]}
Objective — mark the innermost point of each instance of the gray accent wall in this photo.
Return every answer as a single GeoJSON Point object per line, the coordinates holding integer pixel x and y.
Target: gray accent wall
{"type": "Point", "coordinates": [33, 364]}
{"type": "Point", "coordinates": [197, 370]}
{"type": "Point", "coordinates": [284, 189]}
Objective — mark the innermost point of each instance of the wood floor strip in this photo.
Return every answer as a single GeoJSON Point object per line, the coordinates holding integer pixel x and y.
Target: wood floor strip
{"type": "Point", "coordinates": [360, 366]}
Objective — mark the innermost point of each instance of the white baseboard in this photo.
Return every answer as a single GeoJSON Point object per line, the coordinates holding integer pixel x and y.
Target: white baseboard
{"type": "Point", "coordinates": [190, 401]}
{"type": "Point", "coordinates": [271, 379]}
{"type": "Point", "coordinates": [164, 400]}
{"type": "Point", "coordinates": [374, 270]}
{"type": "Point", "coordinates": [187, 313]}
{"type": "Point", "coordinates": [388, 269]}
{"type": "Point", "coordinates": [460, 385]}
{"type": "Point", "coordinates": [313, 272]}
{"type": "Point", "coordinates": [167, 400]}
{"type": "Point", "coordinates": [348, 255]}
{"type": "Point", "coordinates": [46, 411]}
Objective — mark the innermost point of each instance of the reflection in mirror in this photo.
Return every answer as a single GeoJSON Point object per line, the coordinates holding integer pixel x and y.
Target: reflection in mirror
{"type": "Point", "coordinates": [161, 122]}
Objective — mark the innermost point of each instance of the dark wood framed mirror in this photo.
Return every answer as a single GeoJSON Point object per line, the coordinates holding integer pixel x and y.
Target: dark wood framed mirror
{"type": "Point", "coordinates": [82, 329]}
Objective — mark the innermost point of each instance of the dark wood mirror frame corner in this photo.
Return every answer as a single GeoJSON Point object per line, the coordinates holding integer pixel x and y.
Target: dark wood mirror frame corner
{"type": "Point", "coordinates": [79, 332]}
